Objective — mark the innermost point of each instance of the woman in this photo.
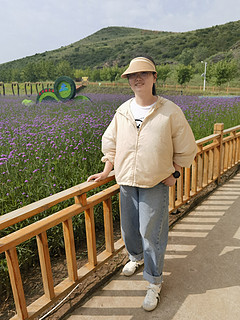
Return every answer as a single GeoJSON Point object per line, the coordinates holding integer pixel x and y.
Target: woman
{"type": "Point", "coordinates": [148, 142]}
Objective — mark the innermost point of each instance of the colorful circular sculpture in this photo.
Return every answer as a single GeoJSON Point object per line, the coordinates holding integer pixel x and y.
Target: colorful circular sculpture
{"type": "Point", "coordinates": [64, 88]}
{"type": "Point", "coordinates": [47, 95]}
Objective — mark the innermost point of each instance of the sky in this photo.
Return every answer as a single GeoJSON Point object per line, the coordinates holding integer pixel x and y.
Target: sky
{"type": "Point", "coordinates": [29, 26]}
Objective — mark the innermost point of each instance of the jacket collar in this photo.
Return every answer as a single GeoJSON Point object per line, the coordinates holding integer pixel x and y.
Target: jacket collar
{"type": "Point", "coordinates": [124, 109]}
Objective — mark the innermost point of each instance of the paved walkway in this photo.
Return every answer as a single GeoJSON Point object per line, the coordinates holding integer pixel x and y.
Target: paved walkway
{"type": "Point", "coordinates": [201, 271]}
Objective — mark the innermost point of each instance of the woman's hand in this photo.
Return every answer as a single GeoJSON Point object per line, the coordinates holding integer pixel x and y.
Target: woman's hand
{"type": "Point", "coordinates": [102, 175]}
{"type": "Point", "coordinates": [169, 181]}
{"type": "Point", "coordinates": [97, 177]}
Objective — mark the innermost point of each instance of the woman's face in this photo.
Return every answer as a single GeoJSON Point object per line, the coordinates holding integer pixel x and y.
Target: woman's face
{"type": "Point", "coordinates": [142, 82]}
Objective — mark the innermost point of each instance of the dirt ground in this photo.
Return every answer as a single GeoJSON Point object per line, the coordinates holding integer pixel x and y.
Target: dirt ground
{"type": "Point", "coordinates": [32, 280]}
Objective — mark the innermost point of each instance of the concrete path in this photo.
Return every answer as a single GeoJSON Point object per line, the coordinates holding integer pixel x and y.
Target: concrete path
{"type": "Point", "coordinates": [201, 271]}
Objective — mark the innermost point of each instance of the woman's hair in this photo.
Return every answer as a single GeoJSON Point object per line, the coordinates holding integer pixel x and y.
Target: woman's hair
{"type": "Point", "coordinates": [154, 93]}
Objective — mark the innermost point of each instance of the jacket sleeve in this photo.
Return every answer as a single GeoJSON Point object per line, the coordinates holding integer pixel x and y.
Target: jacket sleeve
{"type": "Point", "coordinates": [109, 142]}
{"type": "Point", "coordinates": [184, 145]}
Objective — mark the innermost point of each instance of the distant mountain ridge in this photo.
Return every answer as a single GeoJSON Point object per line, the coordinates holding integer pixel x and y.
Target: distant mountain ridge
{"type": "Point", "coordinates": [117, 45]}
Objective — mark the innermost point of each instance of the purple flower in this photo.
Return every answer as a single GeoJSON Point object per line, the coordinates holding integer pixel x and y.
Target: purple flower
{"type": "Point", "coordinates": [45, 137]}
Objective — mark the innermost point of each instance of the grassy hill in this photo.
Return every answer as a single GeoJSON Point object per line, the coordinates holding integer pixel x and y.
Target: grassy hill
{"type": "Point", "coordinates": [117, 45]}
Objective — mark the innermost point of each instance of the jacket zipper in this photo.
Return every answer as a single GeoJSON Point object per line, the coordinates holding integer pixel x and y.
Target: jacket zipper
{"type": "Point", "coordinates": [136, 147]}
{"type": "Point", "coordinates": [138, 133]}
{"type": "Point", "coordinates": [135, 156]}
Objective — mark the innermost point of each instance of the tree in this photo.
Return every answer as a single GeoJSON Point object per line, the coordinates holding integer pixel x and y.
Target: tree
{"type": "Point", "coordinates": [104, 74]}
{"type": "Point", "coordinates": [78, 74]}
{"type": "Point", "coordinates": [201, 53]}
{"type": "Point", "coordinates": [5, 75]}
{"type": "Point", "coordinates": [29, 73]}
{"type": "Point", "coordinates": [64, 69]}
{"type": "Point", "coordinates": [224, 72]}
{"type": "Point", "coordinates": [186, 57]}
{"type": "Point", "coordinates": [42, 71]}
{"type": "Point", "coordinates": [95, 75]}
{"type": "Point", "coordinates": [50, 70]}
{"type": "Point", "coordinates": [184, 74]}
{"type": "Point", "coordinates": [163, 72]}
{"type": "Point", "coordinates": [15, 75]}
{"type": "Point", "coordinates": [113, 73]}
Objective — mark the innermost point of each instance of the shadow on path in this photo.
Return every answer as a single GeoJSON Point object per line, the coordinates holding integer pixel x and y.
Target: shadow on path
{"type": "Point", "coordinates": [201, 271]}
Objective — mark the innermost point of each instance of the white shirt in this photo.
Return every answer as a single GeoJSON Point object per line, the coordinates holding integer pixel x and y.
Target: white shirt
{"type": "Point", "coordinates": [139, 112]}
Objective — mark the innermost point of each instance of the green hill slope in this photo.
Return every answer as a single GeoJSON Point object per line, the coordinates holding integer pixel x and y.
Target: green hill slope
{"type": "Point", "coordinates": [117, 45]}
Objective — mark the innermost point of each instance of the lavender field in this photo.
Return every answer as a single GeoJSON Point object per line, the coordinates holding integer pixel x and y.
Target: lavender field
{"type": "Point", "coordinates": [50, 147]}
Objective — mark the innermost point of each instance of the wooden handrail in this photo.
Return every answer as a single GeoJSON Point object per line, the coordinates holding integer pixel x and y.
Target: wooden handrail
{"type": "Point", "coordinates": [216, 154]}
{"type": "Point", "coordinates": [21, 235]}
{"type": "Point", "coordinates": [42, 205]}
{"type": "Point", "coordinates": [207, 139]}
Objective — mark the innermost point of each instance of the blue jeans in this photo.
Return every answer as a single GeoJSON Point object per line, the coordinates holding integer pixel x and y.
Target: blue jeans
{"type": "Point", "coordinates": [144, 224]}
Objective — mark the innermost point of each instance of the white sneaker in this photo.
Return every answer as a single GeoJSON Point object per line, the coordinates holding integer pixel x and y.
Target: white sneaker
{"type": "Point", "coordinates": [152, 297]}
{"type": "Point", "coordinates": [130, 268]}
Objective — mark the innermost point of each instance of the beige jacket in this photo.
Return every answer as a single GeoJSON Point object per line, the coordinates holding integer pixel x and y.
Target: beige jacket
{"type": "Point", "coordinates": [144, 157]}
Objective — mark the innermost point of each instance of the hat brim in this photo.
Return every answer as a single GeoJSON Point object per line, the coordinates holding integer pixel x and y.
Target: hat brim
{"type": "Point", "coordinates": [139, 65]}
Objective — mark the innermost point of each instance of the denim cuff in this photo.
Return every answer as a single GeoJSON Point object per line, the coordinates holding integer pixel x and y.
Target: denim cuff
{"type": "Point", "coordinates": [152, 279]}
{"type": "Point", "coordinates": [139, 257]}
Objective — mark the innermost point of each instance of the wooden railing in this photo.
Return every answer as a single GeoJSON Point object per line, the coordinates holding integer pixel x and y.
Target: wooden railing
{"type": "Point", "coordinates": [175, 87]}
{"type": "Point", "coordinates": [216, 154]}
{"type": "Point", "coordinates": [26, 88]}
{"type": "Point", "coordinates": [29, 88]}
{"type": "Point", "coordinates": [212, 89]}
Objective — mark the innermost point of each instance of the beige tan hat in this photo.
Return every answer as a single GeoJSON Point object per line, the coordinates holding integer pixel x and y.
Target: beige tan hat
{"type": "Point", "coordinates": [139, 64]}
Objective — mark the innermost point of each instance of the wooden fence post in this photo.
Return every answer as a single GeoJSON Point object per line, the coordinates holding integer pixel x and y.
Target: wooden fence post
{"type": "Point", "coordinates": [38, 84]}
{"type": "Point", "coordinates": [218, 129]}
{"type": "Point", "coordinates": [90, 230]}
{"type": "Point", "coordinates": [15, 84]}
{"type": "Point", "coordinates": [49, 84]}
{"type": "Point", "coordinates": [17, 286]}
{"type": "Point", "coordinates": [3, 88]}
{"type": "Point", "coordinates": [45, 264]}
{"type": "Point", "coordinates": [28, 84]}
{"type": "Point", "coordinates": [70, 249]}
{"type": "Point", "coordinates": [108, 225]}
